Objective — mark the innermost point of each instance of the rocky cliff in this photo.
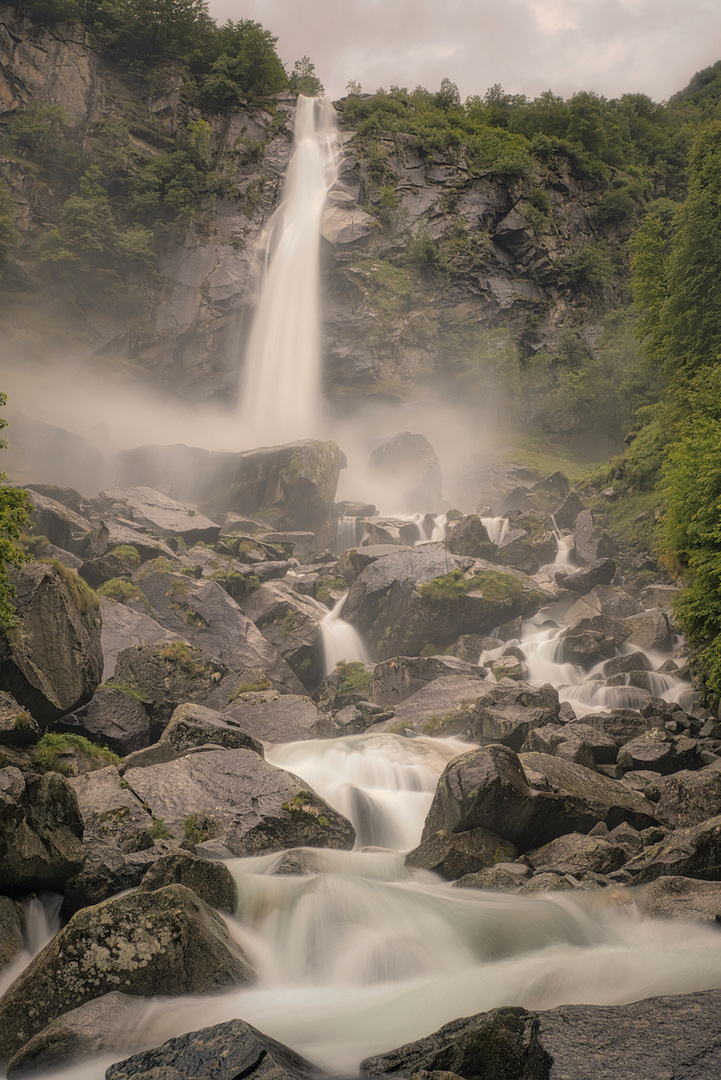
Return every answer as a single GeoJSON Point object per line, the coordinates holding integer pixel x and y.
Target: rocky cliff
{"type": "Point", "coordinates": [430, 263]}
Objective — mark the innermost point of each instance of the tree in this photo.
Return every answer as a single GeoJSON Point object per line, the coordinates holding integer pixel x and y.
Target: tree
{"type": "Point", "coordinates": [304, 80]}
{"type": "Point", "coordinates": [14, 515]}
{"type": "Point", "coordinates": [8, 231]}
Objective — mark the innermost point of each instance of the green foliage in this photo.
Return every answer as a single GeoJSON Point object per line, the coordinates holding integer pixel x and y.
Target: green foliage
{"type": "Point", "coordinates": [353, 677]}
{"type": "Point", "coordinates": [493, 584]}
{"type": "Point", "coordinates": [117, 589]}
{"type": "Point", "coordinates": [159, 831]}
{"type": "Point", "coordinates": [244, 64]}
{"type": "Point", "coordinates": [84, 598]}
{"type": "Point", "coordinates": [303, 79]}
{"type": "Point", "coordinates": [8, 232]}
{"type": "Point", "coordinates": [14, 516]}
{"type": "Point", "coordinates": [128, 554]}
{"type": "Point", "coordinates": [590, 268]}
{"type": "Point", "coordinates": [52, 747]}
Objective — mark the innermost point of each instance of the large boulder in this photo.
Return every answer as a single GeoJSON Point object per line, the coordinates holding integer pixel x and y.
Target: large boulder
{"type": "Point", "coordinates": [211, 880]}
{"type": "Point", "coordinates": [224, 1052]}
{"type": "Point", "coordinates": [123, 627]}
{"type": "Point", "coordinates": [162, 942]}
{"type": "Point", "coordinates": [193, 726]}
{"type": "Point", "coordinates": [399, 678]}
{"type": "Point", "coordinates": [11, 931]}
{"type": "Point", "coordinates": [468, 536]}
{"type": "Point", "coordinates": [442, 707]}
{"type": "Point", "coordinates": [693, 852]}
{"type": "Point", "coordinates": [591, 542]}
{"type": "Point", "coordinates": [64, 527]}
{"type": "Point", "coordinates": [110, 810]}
{"type": "Point", "coordinates": [418, 598]}
{"type": "Point", "coordinates": [273, 717]}
{"type": "Point", "coordinates": [408, 467]}
{"type": "Point", "coordinates": [208, 617]}
{"type": "Point", "coordinates": [52, 662]}
{"type": "Point", "coordinates": [112, 718]}
{"type": "Point", "coordinates": [253, 806]}
{"type": "Point", "coordinates": [292, 623]}
{"type": "Point", "coordinates": [41, 831]}
{"type": "Point", "coordinates": [164, 676]}
{"type": "Point", "coordinates": [688, 797]}
{"type": "Point", "coordinates": [161, 515]}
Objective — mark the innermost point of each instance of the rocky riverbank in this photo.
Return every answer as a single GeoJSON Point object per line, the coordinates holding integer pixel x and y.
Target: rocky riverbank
{"type": "Point", "coordinates": [163, 647]}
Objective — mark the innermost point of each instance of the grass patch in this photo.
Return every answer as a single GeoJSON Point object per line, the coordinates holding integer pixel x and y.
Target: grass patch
{"type": "Point", "coordinates": [52, 747]}
{"type": "Point", "coordinates": [159, 831]}
{"type": "Point", "coordinates": [84, 598]}
{"type": "Point", "coordinates": [493, 584]}
{"type": "Point", "coordinates": [354, 679]}
{"type": "Point", "coordinates": [127, 554]}
{"type": "Point", "coordinates": [250, 688]}
{"type": "Point", "coordinates": [117, 589]}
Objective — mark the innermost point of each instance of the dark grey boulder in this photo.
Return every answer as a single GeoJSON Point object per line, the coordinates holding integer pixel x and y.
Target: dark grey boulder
{"type": "Point", "coordinates": [353, 562]}
{"type": "Point", "coordinates": [41, 831]}
{"type": "Point", "coordinates": [577, 854]}
{"type": "Point", "coordinates": [253, 806]}
{"type": "Point", "coordinates": [679, 897]}
{"type": "Point", "coordinates": [203, 613]}
{"type": "Point", "coordinates": [291, 622]}
{"type": "Point", "coordinates": [657, 751]}
{"type": "Point", "coordinates": [194, 725]}
{"type": "Point", "coordinates": [123, 628]}
{"type": "Point", "coordinates": [11, 931]}
{"type": "Point", "coordinates": [633, 661]}
{"type": "Point", "coordinates": [51, 673]}
{"type": "Point", "coordinates": [165, 676]}
{"type": "Point", "coordinates": [409, 466]}
{"type": "Point", "coordinates": [110, 811]}
{"type": "Point", "coordinates": [273, 717]}
{"type": "Point", "coordinates": [508, 711]}
{"type": "Point", "coordinates": [208, 879]}
{"type": "Point", "coordinates": [454, 854]}
{"type": "Point", "coordinates": [162, 942]}
{"type": "Point", "coordinates": [105, 1025]}
{"type": "Point", "coordinates": [229, 1051]}
{"type": "Point", "coordinates": [17, 726]}
{"type": "Point", "coordinates": [396, 679]}
{"type": "Point", "coordinates": [111, 718]}
{"type": "Point", "coordinates": [110, 869]}
{"type": "Point", "coordinates": [442, 707]}
{"type": "Point", "coordinates": [693, 852]}
{"type": "Point", "coordinates": [63, 526]}
{"type": "Point", "coordinates": [591, 542]}
{"type": "Point", "coordinates": [688, 797]}
{"type": "Point", "coordinates": [111, 533]}
{"type": "Point", "coordinates": [648, 630]}
{"type": "Point", "coordinates": [583, 581]}
{"type": "Point", "coordinates": [468, 536]}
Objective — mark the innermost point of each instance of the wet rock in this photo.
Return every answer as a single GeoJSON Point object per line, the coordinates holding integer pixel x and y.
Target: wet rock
{"type": "Point", "coordinates": [111, 718]}
{"type": "Point", "coordinates": [64, 527]}
{"type": "Point", "coordinates": [111, 533]}
{"type": "Point", "coordinates": [610, 600]}
{"type": "Point", "coordinates": [51, 673]}
{"type": "Point", "coordinates": [648, 630]}
{"type": "Point", "coordinates": [210, 880]}
{"type": "Point", "coordinates": [576, 854]}
{"type": "Point", "coordinates": [597, 796]}
{"type": "Point", "coordinates": [41, 831]}
{"type": "Point", "coordinates": [193, 726]}
{"type": "Point", "coordinates": [682, 898]}
{"type": "Point", "coordinates": [17, 726]}
{"type": "Point", "coordinates": [503, 1043]}
{"type": "Point", "coordinates": [273, 717]}
{"type": "Point", "coordinates": [110, 811]}
{"type": "Point", "coordinates": [506, 876]}
{"type": "Point", "coordinates": [399, 678]}
{"type": "Point", "coordinates": [602, 746]}
{"type": "Point", "coordinates": [633, 661]}
{"type": "Point", "coordinates": [163, 516]}
{"type": "Point", "coordinates": [469, 536]}
{"type": "Point", "coordinates": [454, 854]}
{"type": "Point", "coordinates": [409, 466]}
{"type": "Point", "coordinates": [586, 647]}
{"type": "Point", "coordinates": [390, 531]}
{"type": "Point", "coordinates": [11, 932]}
{"type": "Point", "coordinates": [164, 676]}
{"type": "Point", "coordinates": [620, 725]}
{"type": "Point", "coordinates": [123, 628]}
{"type": "Point", "coordinates": [507, 712]}
{"type": "Point", "coordinates": [204, 614]}
{"type": "Point", "coordinates": [583, 581]}
{"type": "Point", "coordinates": [468, 647]}
{"type": "Point", "coordinates": [660, 596]}
{"type": "Point", "coordinates": [292, 624]}
{"type": "Point", "coordinates": [248, 803]}
{"type": "Point", "coordinates": [164, 942]}
{"type": "Point", "coordinates": [688, 798]}
{"type": "Point", "coordinates": [441, 707]}
{"type": "Point", "coordinates": [566, 514]}
{"type": "Point", "coordinates": [224, 1052]}
{"type": "Point", "coordinates": [353, 562]}
{"type": "Point", "coordinates": [105, 1025]}
{"type": "Point", "coordinates": [693, 852]}
{"type": "Point", "coordinates": [658, 752]}
{"type": "Point", "coordinates": [108, 869]}
{"type": "Point", "coordinates": [591, 542]}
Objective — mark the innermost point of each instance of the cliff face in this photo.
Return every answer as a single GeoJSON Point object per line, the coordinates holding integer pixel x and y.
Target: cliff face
{"type": "Point", "coordinates": [418, 270]}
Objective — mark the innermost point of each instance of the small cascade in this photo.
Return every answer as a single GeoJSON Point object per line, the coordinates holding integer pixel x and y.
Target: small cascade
{"type": "Point", "coordinates": [346, 534]}
{"type": "Point", "coordinates": [41, 922]}
{"type": "Point", "coordinates": [382, 783]}
{"type": "Point", "coordinates": [341, 641]}
{"type": "Point", "coordinates": [497, 528]}
{"type": "Point", "coordinates": [564, 546]}
{"type": "Point", "coordinates": [281, 388]}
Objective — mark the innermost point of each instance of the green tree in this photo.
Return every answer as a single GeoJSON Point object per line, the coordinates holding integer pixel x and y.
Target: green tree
{"type": "Point", "coordinates": [8, 230]}
{"type": "Point", "coordinates": [14, 515]}
{"type": "Point", "coordinates": [303, 79]}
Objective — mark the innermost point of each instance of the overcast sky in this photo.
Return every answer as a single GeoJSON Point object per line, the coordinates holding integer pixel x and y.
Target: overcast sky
{"type": "Point", "coordinates": [611, 46]}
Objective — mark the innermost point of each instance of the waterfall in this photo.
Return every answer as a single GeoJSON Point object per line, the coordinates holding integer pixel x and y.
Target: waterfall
{"type": "Point", "coordinates": [341, 641]}
{"type": "Point", "coordinates": [281, 387]}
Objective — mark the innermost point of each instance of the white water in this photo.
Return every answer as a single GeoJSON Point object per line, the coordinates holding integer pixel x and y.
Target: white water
{"type": "Point", "coordinates": [341, 641]}
{"type": "Point", "coordinates": [281, 389]}
{"type": "Point", "coordinates": [41, 919]}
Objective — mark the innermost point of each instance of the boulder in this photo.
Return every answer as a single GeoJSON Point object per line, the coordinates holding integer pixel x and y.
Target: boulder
{"type": "Point", "coordinates": [577, 854]}
{"type": "Point", "coordinates": [111, 533]}
{"type": "Point", "coordinates": [399, 678]}
{"type": "Point", "coordinates": [508, 711]}
{"type": "Point", "coordinates": [227, 1051]}
{"type": "Point", "coordinates": [110, 810]}
{"type": "Point", "coordinates": [441, 707]}
{"type": "Point", "coordinates": [682, 898]}
{"type": "Point", "coordinates": [105, 1025]}
{"type": "Point", "coordinates": [353, 562]}
{"type": "Point", "coordinates": [583, 581]}
{"type": "Point", "coordinates": [454, 854]}
{"type": "Point", "coordinates": [41, 831]}
{"type": "Point", "coordinates": [591, 542]}
{"type": "Point", "coordinates": [63, 526]}
{"type": "Point", "coordinates": [693, 852]}
{"type": "Point", "coordinates": [468, 536]}
{"type": "Point", "coordinates": [123, 628]}
{"type": "Point", "coordinates": [273, 717]}
{"type": "Point", "coordinates": [17, 727]}
{"type": "Point", "coordinates": [164, 676]}
{"type": "Point", "coordinates": [53, 662]}
{"type": "Point", "coordinates": [162, 942]}
{"type": "Point", "coordinates": [657, 751]}
{"type": "Point", "coordinates": [598, 797]}
{"type": "Point", "coordinates": [108, 869]}
{"type": "Point", "coordinates": [161, 515]}
{"type": "Point", "coordinates": [253, 806]}
{"type": "Point", "coordinates": [11, 932]}
{"type": "Point", "coordinates": [203, 613]}
{"type": "Point", "coordinates": [390, 531]}
{"type": "Point", "coordinates": [112, 718]}
{"type": "Point", "coordinates": [211, 880]}
{"type": "Point", "coordinates": [292, 623]}
{"type": "Point", "coordinates": [193, 726]}
{"type": "Point", "coordinates": [566, 514]}
{"type": "Point", "coordinates": [633, 661]}
{"type": "Point", "coordinates": [422, 599]}
{"type": "Point", "coordinates": [408, 466]}
{"type": "Point", "coordinates": [648, 630]}
{"type": "Point", "coordinates": [688, 798]}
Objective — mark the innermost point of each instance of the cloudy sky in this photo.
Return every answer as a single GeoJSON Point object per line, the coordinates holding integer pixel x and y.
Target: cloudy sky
{"type": "Point", "coordinates": [611, 46]}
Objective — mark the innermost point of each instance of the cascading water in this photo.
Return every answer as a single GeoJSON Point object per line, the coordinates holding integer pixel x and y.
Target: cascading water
{"type": "Point", "coordinates": [281, 388]}
{"type": "Point", "coordinates": [341, 641]}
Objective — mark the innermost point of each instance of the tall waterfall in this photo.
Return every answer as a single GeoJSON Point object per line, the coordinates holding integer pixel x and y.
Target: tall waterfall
{"type": "Point", "coordinates": [281, 388]}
